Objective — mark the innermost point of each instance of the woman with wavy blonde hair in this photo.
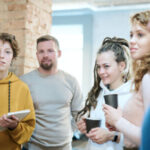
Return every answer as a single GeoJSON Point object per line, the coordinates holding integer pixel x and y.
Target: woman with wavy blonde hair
{"type": "Point", "coordinates": [111, 76]}
{"type": "Point", "coordinates": [129, 123]}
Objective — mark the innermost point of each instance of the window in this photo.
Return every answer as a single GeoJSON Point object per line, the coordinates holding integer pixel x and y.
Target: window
{"type": "Point", "coordinates": [70, 38]}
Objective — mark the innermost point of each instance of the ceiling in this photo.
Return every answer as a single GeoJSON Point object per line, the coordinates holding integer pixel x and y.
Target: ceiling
{"type": "Point", "coordinates": [93, 4]}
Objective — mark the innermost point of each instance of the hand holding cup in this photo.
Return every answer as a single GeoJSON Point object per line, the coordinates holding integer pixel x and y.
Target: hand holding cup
{"type": "Point", "coordinates": [111, 100]}
{"type": "Point", "coordinates": [92, 123]}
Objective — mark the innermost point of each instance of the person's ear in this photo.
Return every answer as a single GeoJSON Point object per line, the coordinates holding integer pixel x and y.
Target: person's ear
{"type": "Point", "coordinates": [122, 66]}
{"type": "Point", "coordinates": [59, 53]}
{"type": "Point", "coordinates": [12, 62]}
{"type": "Point", "coordinates": [148, 26]}
{"type": "Point", "coordinates": [36, 54]}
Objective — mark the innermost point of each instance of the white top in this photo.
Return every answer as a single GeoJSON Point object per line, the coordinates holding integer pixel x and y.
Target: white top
{"type": "Point", "coordinates": [124, 93]}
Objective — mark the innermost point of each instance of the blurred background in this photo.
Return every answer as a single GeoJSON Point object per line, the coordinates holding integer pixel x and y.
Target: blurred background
{"type": "Point", "coordinates": [81, 26]}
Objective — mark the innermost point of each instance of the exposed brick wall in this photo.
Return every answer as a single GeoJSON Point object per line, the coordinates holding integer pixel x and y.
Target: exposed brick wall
{"type": "Point", "coordinates": [27, 20]}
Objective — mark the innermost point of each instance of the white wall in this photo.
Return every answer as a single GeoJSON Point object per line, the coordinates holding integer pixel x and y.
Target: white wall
{"type": "Point", "coordinates": [97, 24]}
{"type": "Point", "coordinates": [112, 22]}
{"type": "Point", "coordinates": [83, 17]}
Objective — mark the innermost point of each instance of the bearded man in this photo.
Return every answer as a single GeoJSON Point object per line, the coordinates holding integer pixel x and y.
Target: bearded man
{"type": "Point", "coordinates": [56, 96]}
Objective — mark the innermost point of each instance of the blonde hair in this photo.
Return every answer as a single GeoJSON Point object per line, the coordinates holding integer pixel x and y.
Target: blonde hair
{"type": "Point", "coordinates": [142, 18]}
{"type": "Point", "coordinates": [141, 66]}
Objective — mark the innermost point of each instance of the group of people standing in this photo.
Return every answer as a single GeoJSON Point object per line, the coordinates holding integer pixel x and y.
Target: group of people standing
{"type": "Point", "coordinates": [121, 128]}
{"type": "Point", "coordinates": [53, 96]}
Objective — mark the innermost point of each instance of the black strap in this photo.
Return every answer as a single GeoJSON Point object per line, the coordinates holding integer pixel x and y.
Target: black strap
{"type": "Point", "coordinates": [9, 96]}
{"type": "Point", "coordinates": [115, 138]}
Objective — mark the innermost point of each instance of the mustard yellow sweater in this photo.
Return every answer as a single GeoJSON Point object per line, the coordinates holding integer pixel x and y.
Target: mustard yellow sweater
{"type": "Point", "coordinates": [20, 99]}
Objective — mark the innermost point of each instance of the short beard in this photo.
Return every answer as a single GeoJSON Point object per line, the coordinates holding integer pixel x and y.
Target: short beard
{"type": "Point", "coordinates": [46, 67]}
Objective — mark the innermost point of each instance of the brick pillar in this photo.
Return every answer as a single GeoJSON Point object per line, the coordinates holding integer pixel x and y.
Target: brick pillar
{"type": "Point", "coordinates": [27, 20]}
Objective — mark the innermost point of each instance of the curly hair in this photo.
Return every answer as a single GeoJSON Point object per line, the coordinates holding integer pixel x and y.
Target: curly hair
{"type": "Point", "coordinates": [142, 18]}
{"type": "Point", "coordinates": [120, 48]}
{"type": "Point", "coordinates": [141, 66]}
{"type": "Point", "coordinates": [6, 37]}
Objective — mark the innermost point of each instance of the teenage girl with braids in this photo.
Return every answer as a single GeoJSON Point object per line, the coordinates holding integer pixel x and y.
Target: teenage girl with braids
{"type": "Point", "coordinates": [129, 123]}
{"type": "Point", "coordinates": [111, 76]}
{"type": "Point", "coordinates": [14, 96]}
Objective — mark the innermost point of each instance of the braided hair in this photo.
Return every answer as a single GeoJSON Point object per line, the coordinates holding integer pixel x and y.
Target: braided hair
{"type": "Point", "coordinates": [120, 48]}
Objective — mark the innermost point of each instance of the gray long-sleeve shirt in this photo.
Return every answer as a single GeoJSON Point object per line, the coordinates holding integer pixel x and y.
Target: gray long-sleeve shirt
{"type": "Point", "coordinates": [56, 97]}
